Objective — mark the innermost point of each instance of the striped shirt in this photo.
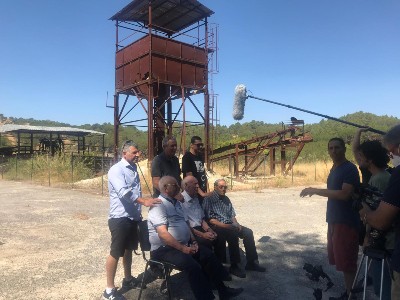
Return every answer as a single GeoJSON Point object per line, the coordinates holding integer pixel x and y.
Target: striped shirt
{"type": "Point", "coordinates": [219, 208]}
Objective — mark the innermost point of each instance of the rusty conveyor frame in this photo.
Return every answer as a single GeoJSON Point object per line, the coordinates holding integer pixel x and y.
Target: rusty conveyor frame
{"type": "Point", "coordinates": [254, 151]}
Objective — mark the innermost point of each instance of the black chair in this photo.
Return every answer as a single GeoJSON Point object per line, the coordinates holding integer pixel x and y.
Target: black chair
{"type": "Point", "coordinates": [166, 267]}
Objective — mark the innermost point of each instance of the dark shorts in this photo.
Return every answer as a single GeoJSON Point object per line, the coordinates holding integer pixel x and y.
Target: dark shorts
{"type": "Point", "coordinates": [343, 247]}
{"type": "Point", "coordinates": [124, 236]}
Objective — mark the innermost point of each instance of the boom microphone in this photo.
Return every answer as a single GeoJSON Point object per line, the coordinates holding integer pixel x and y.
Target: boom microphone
{"type": "Point", "coordinates": [239, 101]}
{"type": "Point", "coordinates": [241, 96]}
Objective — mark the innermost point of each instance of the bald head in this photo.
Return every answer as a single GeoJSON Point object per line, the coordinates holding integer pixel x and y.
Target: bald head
{"type": "Point", "coordinates": [168, 186]}
{"type": "Point", "coordinates": [191, 185]}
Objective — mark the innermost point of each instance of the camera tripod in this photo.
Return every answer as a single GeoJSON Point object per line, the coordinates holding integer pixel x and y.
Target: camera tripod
{"type": "Point", "coordinates": [369, 254]}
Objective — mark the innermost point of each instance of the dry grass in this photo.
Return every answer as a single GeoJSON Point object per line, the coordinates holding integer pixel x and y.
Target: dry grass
{"type": "Point", "coordinates": [99, 183]}
{"type": "Point", "coordinates": [301, 175]}
{"type": "Point", "coordinates": [59, 169]}
{"type": "Point", "coordinates": [43, 169]}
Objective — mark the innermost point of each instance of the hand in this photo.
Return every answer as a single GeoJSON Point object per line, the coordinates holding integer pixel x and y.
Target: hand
{"type": "Point", "coordinates": [213, 233]}
{"type": "Point", "coordinates": [195, 247]}
{"type": "Point", "coordinates": [307, 192]}
{"type": "Point", "coordinates": [363, 212]}
{"type": "Point", "coordinates": [209, 235]}
{"type": "Point", "coordinates": [364, 129]}
{"type": "Point", "coordinates": [239, 227]}
{"type": "Point", "coordinates": [179, 197]}
{"type": "Point", "coordinates": [151, 201]}
{"type": "Point", "coordinates": [236, 227]}
{"type": "Point", "coordinates": [187, 250]}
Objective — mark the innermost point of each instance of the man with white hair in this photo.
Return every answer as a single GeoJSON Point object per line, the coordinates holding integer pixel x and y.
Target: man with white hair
{"type": "Point", "coordinates": [194, 212]}
{"type": "Point", "coordinates": [172, 241]}
{"type": "Point", "coordinates": [221, 215]}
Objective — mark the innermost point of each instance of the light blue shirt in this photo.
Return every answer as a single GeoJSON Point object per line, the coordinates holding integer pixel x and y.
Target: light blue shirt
{"type": "Point", "coordinates": [169, 212]}
{"type": "Point", "coordinates": [124, 189]}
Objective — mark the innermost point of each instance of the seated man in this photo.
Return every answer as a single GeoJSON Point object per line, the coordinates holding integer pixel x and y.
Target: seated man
{"type": "Point", "coordinates": [222, 217]}
{"type": "Point", "coordinates": [194, 212]}
{"type": "Point", "coordinates": [171, 241]}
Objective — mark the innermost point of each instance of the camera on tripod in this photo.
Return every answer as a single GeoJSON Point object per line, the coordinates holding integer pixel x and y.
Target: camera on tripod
{"type": "Point", "coordinates": [372, 197]}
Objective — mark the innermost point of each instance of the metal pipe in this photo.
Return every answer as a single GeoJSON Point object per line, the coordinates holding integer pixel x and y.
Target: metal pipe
{"type": "Point", "coordinates": [207, 102]}
{"type": "Point", "coordinates": [183, 133]}
{"type": "Point", "coordinates": [116, 127]}
{"type": "Point", "coordinates": [102, 173]}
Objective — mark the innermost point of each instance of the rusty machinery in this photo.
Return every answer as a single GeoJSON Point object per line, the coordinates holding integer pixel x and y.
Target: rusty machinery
{"type": "Point", "coordinates": [254, 152]}
{"type": "Point", "coordinates": [163, 68]}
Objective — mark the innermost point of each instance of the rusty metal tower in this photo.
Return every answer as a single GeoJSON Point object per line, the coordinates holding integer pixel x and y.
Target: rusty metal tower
{"type": "Point", "coordinates": [161, 62]}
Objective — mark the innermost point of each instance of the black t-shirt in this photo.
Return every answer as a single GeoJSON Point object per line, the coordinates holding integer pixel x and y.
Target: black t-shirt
{"type": "Point", "coordinates": [392, 197]}
{"type": "Point", "coordinates": [165, 166]}
{"type": "Point", "coordinates": [194, 163]}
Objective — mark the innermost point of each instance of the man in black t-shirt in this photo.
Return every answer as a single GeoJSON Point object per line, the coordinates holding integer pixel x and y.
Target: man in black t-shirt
{"type": "Point", "coordinates": [193, 164]}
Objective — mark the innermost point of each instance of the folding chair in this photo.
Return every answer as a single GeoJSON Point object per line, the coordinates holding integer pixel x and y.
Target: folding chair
{"type": "Point", "coordinates": [145, 246]}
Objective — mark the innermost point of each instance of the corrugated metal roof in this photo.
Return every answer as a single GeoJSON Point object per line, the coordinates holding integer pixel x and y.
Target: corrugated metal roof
{"type": "Point", "coordinates": [45, 129]}
{"type": "Point", "coordinates": [169, 16]}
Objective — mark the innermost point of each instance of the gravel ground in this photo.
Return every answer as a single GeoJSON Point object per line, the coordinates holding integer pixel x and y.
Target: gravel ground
{"type": "Point", "coordinates": [53, 245]}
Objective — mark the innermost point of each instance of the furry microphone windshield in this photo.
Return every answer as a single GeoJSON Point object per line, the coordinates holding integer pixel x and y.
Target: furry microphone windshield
{"type": "Point", "coordinates": [239, 101]}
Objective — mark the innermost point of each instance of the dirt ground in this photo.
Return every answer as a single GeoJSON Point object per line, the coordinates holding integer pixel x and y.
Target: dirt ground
{"type": "Point", "coordinates": [53, 245]}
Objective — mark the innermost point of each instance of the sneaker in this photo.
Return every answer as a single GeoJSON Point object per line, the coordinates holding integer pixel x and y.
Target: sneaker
{"type": "Point", "coordinates": [227, 292]}
{"type": "Point", "coordinates": [114, 295]}
{"type": "Point", "coordinates": [236, 271]}
{"type": "Point", "coordinates": [254, 267]}
{"type": "Point", "coordinates": [133, 283]}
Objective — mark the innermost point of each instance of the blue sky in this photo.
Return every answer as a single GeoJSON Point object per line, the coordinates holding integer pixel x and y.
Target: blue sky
{"type": "Point", "coordinates": [331, 57]}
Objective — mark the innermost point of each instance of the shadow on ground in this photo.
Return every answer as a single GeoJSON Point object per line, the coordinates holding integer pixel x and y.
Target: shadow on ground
{"type": "Point", "coordinates": [284, 257]}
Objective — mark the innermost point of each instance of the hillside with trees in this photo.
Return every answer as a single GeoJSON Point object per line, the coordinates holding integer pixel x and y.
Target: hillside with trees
{"type": "Point", "coordinates": [224, 135]}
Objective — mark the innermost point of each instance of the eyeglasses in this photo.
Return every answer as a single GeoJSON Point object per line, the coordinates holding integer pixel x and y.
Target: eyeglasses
{"type": "Point", "coordinates": [171, 184]}
{"type": "Point", "coordinates": [223, 187]}
{"type": "Point", "coordinates": [199, 145]}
